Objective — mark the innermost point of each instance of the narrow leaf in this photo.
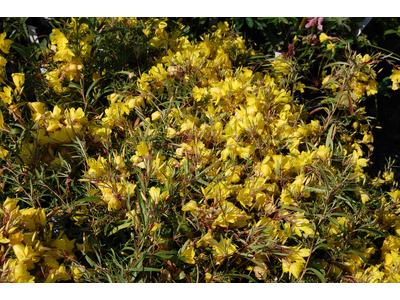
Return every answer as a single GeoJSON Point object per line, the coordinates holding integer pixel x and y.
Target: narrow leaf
{"type": "Point", "coordinates": [318, 274]}
{"type": "Point", "coordinates": [292, 208]}
{"type": "Point", "coordinates": [359, 254]}
{"type": "Point", "coordinates": [90, 199]}
{"type": "Point", "coordinates": [371, 230]}
{"type": "Point", "coordinates": [251, 279]}
{"type": "Point", "coordinates": [145, 269]}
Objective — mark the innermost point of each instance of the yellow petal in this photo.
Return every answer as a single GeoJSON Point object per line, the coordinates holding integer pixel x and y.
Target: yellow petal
{"type": "Point", "coordinates": [142, 149]}
{"type": "Point", "coordinates": [323, 37]}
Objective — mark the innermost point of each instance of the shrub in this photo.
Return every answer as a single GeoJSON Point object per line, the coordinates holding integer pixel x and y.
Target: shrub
{"type": "Point", "coordinates": [150, 157]}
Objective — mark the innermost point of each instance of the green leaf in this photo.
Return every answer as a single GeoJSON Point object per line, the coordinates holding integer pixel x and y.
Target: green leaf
{"type": "Point", "coordinates": [113, 30]}
{"type": "Point", "coordinates": [313, 189]}
{"type": "Point", "coordinates": [15, 131]}
{"type": "Point", "coordinates": [318, 273]}
{"type": "Point", "coordinates": [90, 199]}
{"type": "Point", "coordinates": [349, 202]}
{"type": "Point", "coordinates": [359, 254]}
{"type": "Point", "coordinates": [21, 51]}
{"type": "Point", "coordinates": [239, 23]}
{"type": "Point", "coordinates": [186, 30]}
{"type": "Point", "coordinates": [181, 275]}
{"type": "Point", "coordinates": [326, 246]}
{"type": "Point", "coordinates": [202, 20]}
{"type": "Point", "coordinates": [391, 31]}
{"type": "Point", "coordinates": [145, 269]}
{"type": "Point", "coordinates": [116, 229]}
{"type": "Point", "coordinates": [164, 255]}
{"type": "Point", "coordinates": [259, 25]}
{"type": "Point", "coordinates": [202, 182]}
{"type": "Point", "coordinates": [371, 230]}
{"type": "Point", "coordinates": [142, 209]}
{"type": "Point", "coordinates": [292, 208]}
{"type": "Point", "coordinates": [249, 22]}
{"type": "Point", "coordinates": [43, 44]}
{"type": "Point", "coordinates": [336, 223]}
{"type": "Point", "coordinates": [329, 142]}
{"type": "Point", "coordinates": [92, 86]}
{"type": "Point", "coordinates": [251, 279]}
{"type": "Point", "coordinates": [71, 84]}
{"type": "Point", "coordinates": [342, 215]}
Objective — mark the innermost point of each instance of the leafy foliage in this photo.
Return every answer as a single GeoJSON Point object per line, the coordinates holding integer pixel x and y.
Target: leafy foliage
{"type": "Point", "coordinates": [167, 150]}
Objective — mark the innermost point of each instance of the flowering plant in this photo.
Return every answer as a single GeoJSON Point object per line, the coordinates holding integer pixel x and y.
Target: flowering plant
{"type": "Point", "coordinates": [188, 160]}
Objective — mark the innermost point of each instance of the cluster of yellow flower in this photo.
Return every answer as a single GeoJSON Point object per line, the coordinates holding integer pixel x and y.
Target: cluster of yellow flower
{"type": "Point", "coordinates": [238, 134]}
{"type": "Point", "coordinates": [70, 60]}
{"type": "Point", "coordinates": [30, 239]}
{"type": "Point", "coordinates": [8, 92]}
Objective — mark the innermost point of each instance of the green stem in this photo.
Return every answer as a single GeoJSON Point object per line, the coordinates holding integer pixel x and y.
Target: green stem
{"type": "Point", "coordinates": [380, 48]}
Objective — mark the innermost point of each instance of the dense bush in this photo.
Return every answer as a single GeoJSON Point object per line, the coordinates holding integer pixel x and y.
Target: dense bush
{"type": "Point", "coordinates": [133, 153]}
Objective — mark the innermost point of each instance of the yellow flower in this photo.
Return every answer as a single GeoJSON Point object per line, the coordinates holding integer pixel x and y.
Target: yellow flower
{"type": "Point", "coordinates": [22, 275]}
{"type": "Point", "coordinates": [395, 194]}
{"type": "Point", "coordinates": [75, 115]}
{"type": "Point", "coordinates": [323, 37]}
{"type": "Point", "coordinates": [10, 204]}
{"type": "Point", "coordinates": [231, 216]}
{"type": "Point", "coordinates": [3, 154]}
{"type": "Point", "coordinates": [3, 63]}
{"type": "Point", "coordinates": [224, 248]}
{"type": "Point", "coordinates": [77, 272]}
{"type": "Point", "coordinates": [6, 96]}
{"type": "Point", "coordinates": [38, 110]}
{"type": "Point", "coordinates": [80, 215]}
{"type": "Point", "coordinates": [64, 55]}
{"type": "Point", "coordinates": [324, 152]}
{"type": "Point", "coordinates": [155, 116]}
{"type": "Point", "coordinates": [331, 86]}
{"type": "Point", "coordinates": [5, 44]}
{"type": "Point", "coordinates": [286, 198]}
{"type": "Point", "coordinates": [191, 206]}
{"type": "Point", "coordinates": [19, 80]}
{"type": "Point", "coordinates": [208, 278]}
{"type": "Point", "coordinates": [53, 125]}
{"type": "Point", "coordinates": [59, 39]}
{"type": "Point", "coordinates": [142, 149]}
{"type": "Point", "coordinates": [85, 44]}
{"type": "Point", "coordinates": [395, 77]}
{"type": "Point", "coordinates": [301, 223]}
{"type": "Point", "coordinates": [334, 229]}
{"type": "Point", "coordinates": [331, 47]}
{"type": "Point", "coordinates": [3, 239]}
{"type": "Point", "coordinates": [64, 244]}
{"type": "Point", "coordinates": [372, 88]}
{"type": "Point", "coordinates": [154, 194]}
{"type": "Point", "coordinates": [206, 240]}
{"type": "Point", "coordinates": [147, 31]}
{"type": "Point", "coordinates": [72, 69]}
{"type": "Point", "coordinates": [368, 138]}
{"type": "Point", "coordinates": [162, 24]}
{"type": "Point", "coordinates": [300, 87]}
{"type": "Point", "coordinates": [96, 76]}
{"type": "Point", "coordinates": [294, 262]}
{"type": "Point", "coordinates": [188, 255]}
{"type": "Point", "coordinates": [54, 81]}
{"type": "Point", "coordinates": [364, 197]}
{"type": "Point", "coordinates": [155, 227]}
